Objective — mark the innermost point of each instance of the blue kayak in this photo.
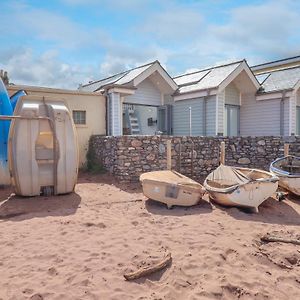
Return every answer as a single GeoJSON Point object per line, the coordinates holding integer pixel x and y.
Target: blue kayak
{"type": "Point", "coordinates": [5, 109]}
{"type": "Point", "coordinates": [15, 98]}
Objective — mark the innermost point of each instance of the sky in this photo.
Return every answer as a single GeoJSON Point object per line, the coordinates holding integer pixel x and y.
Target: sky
{"type": "Point", "coordinates": [62, 43]}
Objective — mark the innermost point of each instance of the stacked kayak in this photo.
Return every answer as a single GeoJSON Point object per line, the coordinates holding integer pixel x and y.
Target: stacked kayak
{"type": "Point", "coordinates": [5, 109]}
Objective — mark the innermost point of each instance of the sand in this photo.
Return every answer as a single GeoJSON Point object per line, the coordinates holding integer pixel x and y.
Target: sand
{"type": "Point", "coordinates": [79, 246]}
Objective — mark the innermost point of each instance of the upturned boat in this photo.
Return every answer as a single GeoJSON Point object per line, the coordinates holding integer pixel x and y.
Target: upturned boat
{"type": "Point", "coordinates": [287, 169]}
{"type": "Point", "coordinates": [43, 148]}
{"type": "Point", "coordinates": [171, 188]}
{"type": "Point", "coordinates": [242, 187]}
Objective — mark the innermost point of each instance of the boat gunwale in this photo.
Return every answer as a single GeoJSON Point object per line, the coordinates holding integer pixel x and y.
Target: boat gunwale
{"type": "Point", "coordinates": [273, 178]}
{"type": "Point", "coordinates": [280, 172]}
{"type": "Point", "coordinates": [192, 187]}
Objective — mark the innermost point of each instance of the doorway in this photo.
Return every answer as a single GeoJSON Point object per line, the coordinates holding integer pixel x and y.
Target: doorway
{"type": "Point", "coordinates": [232, 120]}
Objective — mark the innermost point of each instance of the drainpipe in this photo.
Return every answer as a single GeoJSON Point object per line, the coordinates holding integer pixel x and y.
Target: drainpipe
{"type": "Point", "coordinates": [282, 113]}
{"type": "Point", "coordinates": [106, 113]}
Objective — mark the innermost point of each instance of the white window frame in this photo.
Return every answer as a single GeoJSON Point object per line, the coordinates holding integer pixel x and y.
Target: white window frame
{"type": "Point", "coordinates": [79, 117]}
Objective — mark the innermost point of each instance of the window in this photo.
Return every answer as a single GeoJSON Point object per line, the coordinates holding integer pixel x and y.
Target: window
{"type": "Point", "coordinates": [79, 117]}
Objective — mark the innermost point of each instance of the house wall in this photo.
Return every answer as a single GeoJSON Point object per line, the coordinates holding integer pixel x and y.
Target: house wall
{"type": "Point", "coordinates": [286, 115]}
{"type": "Point", "coordinates": [229, 95]}
{"type": "Point", "coordinates": [203, 116]}
{"type": "Point", "coordinates": [146, 93]}
{"type": "Point", "coordinates": [232, 94]}
{"type": "Point", "coordinates": [211, 115]}
{"type": "Point", "coordinates": [258, 118]}
{"type": "Point", "coordinates": [93, 104]}
{"type": "Point", "coordinates": [168, 99]}
{"type": "Point", "coordinates": [296, 115]}
{"type": "Point", "coordinates": [181, 117]}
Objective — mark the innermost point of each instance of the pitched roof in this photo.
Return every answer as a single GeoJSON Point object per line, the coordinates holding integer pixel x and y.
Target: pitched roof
{"type": "Point", "coordinates": [279, 80]}
{"type": "Point", "coordinates": [117, 79]}
{"type": "Point", "coordinates": [205, 79]}
{"type": "Point", "coordinates": [276, 64]}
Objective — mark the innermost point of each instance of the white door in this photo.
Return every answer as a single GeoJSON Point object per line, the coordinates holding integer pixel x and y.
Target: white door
{"type": "Point", "coordinates": [232, 120]}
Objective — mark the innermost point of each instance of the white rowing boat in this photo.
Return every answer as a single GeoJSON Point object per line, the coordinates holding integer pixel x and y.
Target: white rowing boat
{"type": "Point", "coordinates": [243, 187]}
{"type": "Point", "coordinates": [171, 188]}
{"type": "Point", "coordinates": [288, 171]}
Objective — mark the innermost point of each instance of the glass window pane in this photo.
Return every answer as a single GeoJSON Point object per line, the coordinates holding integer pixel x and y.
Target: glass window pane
{"type": "Point", "coordinates": [79, 117]}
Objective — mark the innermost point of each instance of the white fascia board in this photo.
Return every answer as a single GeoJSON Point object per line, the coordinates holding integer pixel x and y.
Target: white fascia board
{"type": "Point", "coordinates": [122, 91]}
{"type": "Point", "coordinates": [242, 67]}
{"type": "Point", "coordinates": [269, 96]}
{"type": "Point", "coordinates": [155, 67]}
{"type": "Point", "coordinates": [198, 94]}
{"type": "Point", "coordinates": [296, 87]}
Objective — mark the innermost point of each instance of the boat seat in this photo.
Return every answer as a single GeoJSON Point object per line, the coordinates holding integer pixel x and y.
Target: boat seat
{"type": "Point", "coordinates": [44, 154]}
{"type": "Point", "coordinates": [291, 166]}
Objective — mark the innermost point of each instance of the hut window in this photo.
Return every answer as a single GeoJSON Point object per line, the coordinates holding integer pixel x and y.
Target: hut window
{"type": "Point", "coordinates": [79, 117]}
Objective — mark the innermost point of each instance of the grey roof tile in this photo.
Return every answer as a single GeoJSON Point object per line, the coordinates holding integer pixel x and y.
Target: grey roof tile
{"type": "Point", "coordinates": [281, 80]}
{"type": "Point", "coordinates": [213, 78]}
{"type": "Point", "coordinates": [190, 78]}
{"type": "Point", "coordinates": [121, 78]}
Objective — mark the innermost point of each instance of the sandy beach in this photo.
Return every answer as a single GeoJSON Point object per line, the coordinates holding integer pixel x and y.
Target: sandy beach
{"type": "Point", "coordinates": [80, 245]}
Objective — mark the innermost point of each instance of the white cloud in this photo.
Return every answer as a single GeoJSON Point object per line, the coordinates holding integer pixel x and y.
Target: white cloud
{"type": "Point", "coordinates": [26, 67]}
{"type": "Point", "coordinates": [113, 4]}
{"type": "Point", "coordinates": [51, 27]}
{"type": "Point", "coordinates": [175, 24]}
{"type": "Point", "coordinates": [264, 28]}
{"type": "Point", "coordinates": [258, 32]}
{"type": "Point", "coordinates": [180, 36]}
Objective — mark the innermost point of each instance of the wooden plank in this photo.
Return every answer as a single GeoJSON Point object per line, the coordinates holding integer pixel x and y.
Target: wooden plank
{"type": "Point", "coordinates": [286, 149]}
{"type": "Point", "coordinates": [222, 153]}
{"type": "Point", "coordinates": [169, 155]}
{"type": "Point", "coordinates": [149, 270]}
{"type": "Point", "coordinates": [269, 238]}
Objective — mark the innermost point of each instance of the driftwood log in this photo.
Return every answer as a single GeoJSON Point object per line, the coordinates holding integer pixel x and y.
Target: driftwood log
{"type": "Point", "coordinates": [149, 270]}
{"type": "Point", "coordinates": [269, 238]}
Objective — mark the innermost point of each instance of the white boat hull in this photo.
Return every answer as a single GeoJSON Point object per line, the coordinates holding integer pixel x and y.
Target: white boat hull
{"type": "Point", "coordinates": [250, 195]}
{"type": "Point", "coordinates": [291, 184]}
{"type": "Point", "coordinates": [288, 173]}
{"type": "Point", "coordinates": [241, 187]}
{"type": "Point", "coordinates": [171, 192]}
{"type": "Point", "coordinates": [42, 158]}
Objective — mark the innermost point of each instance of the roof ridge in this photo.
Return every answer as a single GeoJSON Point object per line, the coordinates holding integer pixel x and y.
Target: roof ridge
{"type": "Point", "coordinates": [283, 69]}
{"type": "Point", "coordinates": [210, 68]}
{"type": "Point", "coordinates": [120, 73]}
{"type": "Point", "coordinates": [276, 61]}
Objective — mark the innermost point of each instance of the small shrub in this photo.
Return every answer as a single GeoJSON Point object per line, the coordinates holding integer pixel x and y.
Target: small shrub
{"type": "Point", "coordinates": [92, 164]}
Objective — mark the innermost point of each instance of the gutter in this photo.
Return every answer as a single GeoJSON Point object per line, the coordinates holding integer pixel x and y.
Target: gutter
{"type": "Point", "coordinates": [208, 90]}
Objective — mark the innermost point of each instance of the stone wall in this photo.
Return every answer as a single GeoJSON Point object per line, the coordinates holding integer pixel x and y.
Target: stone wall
{"type": "Point", "coordinates": [126, 157]}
